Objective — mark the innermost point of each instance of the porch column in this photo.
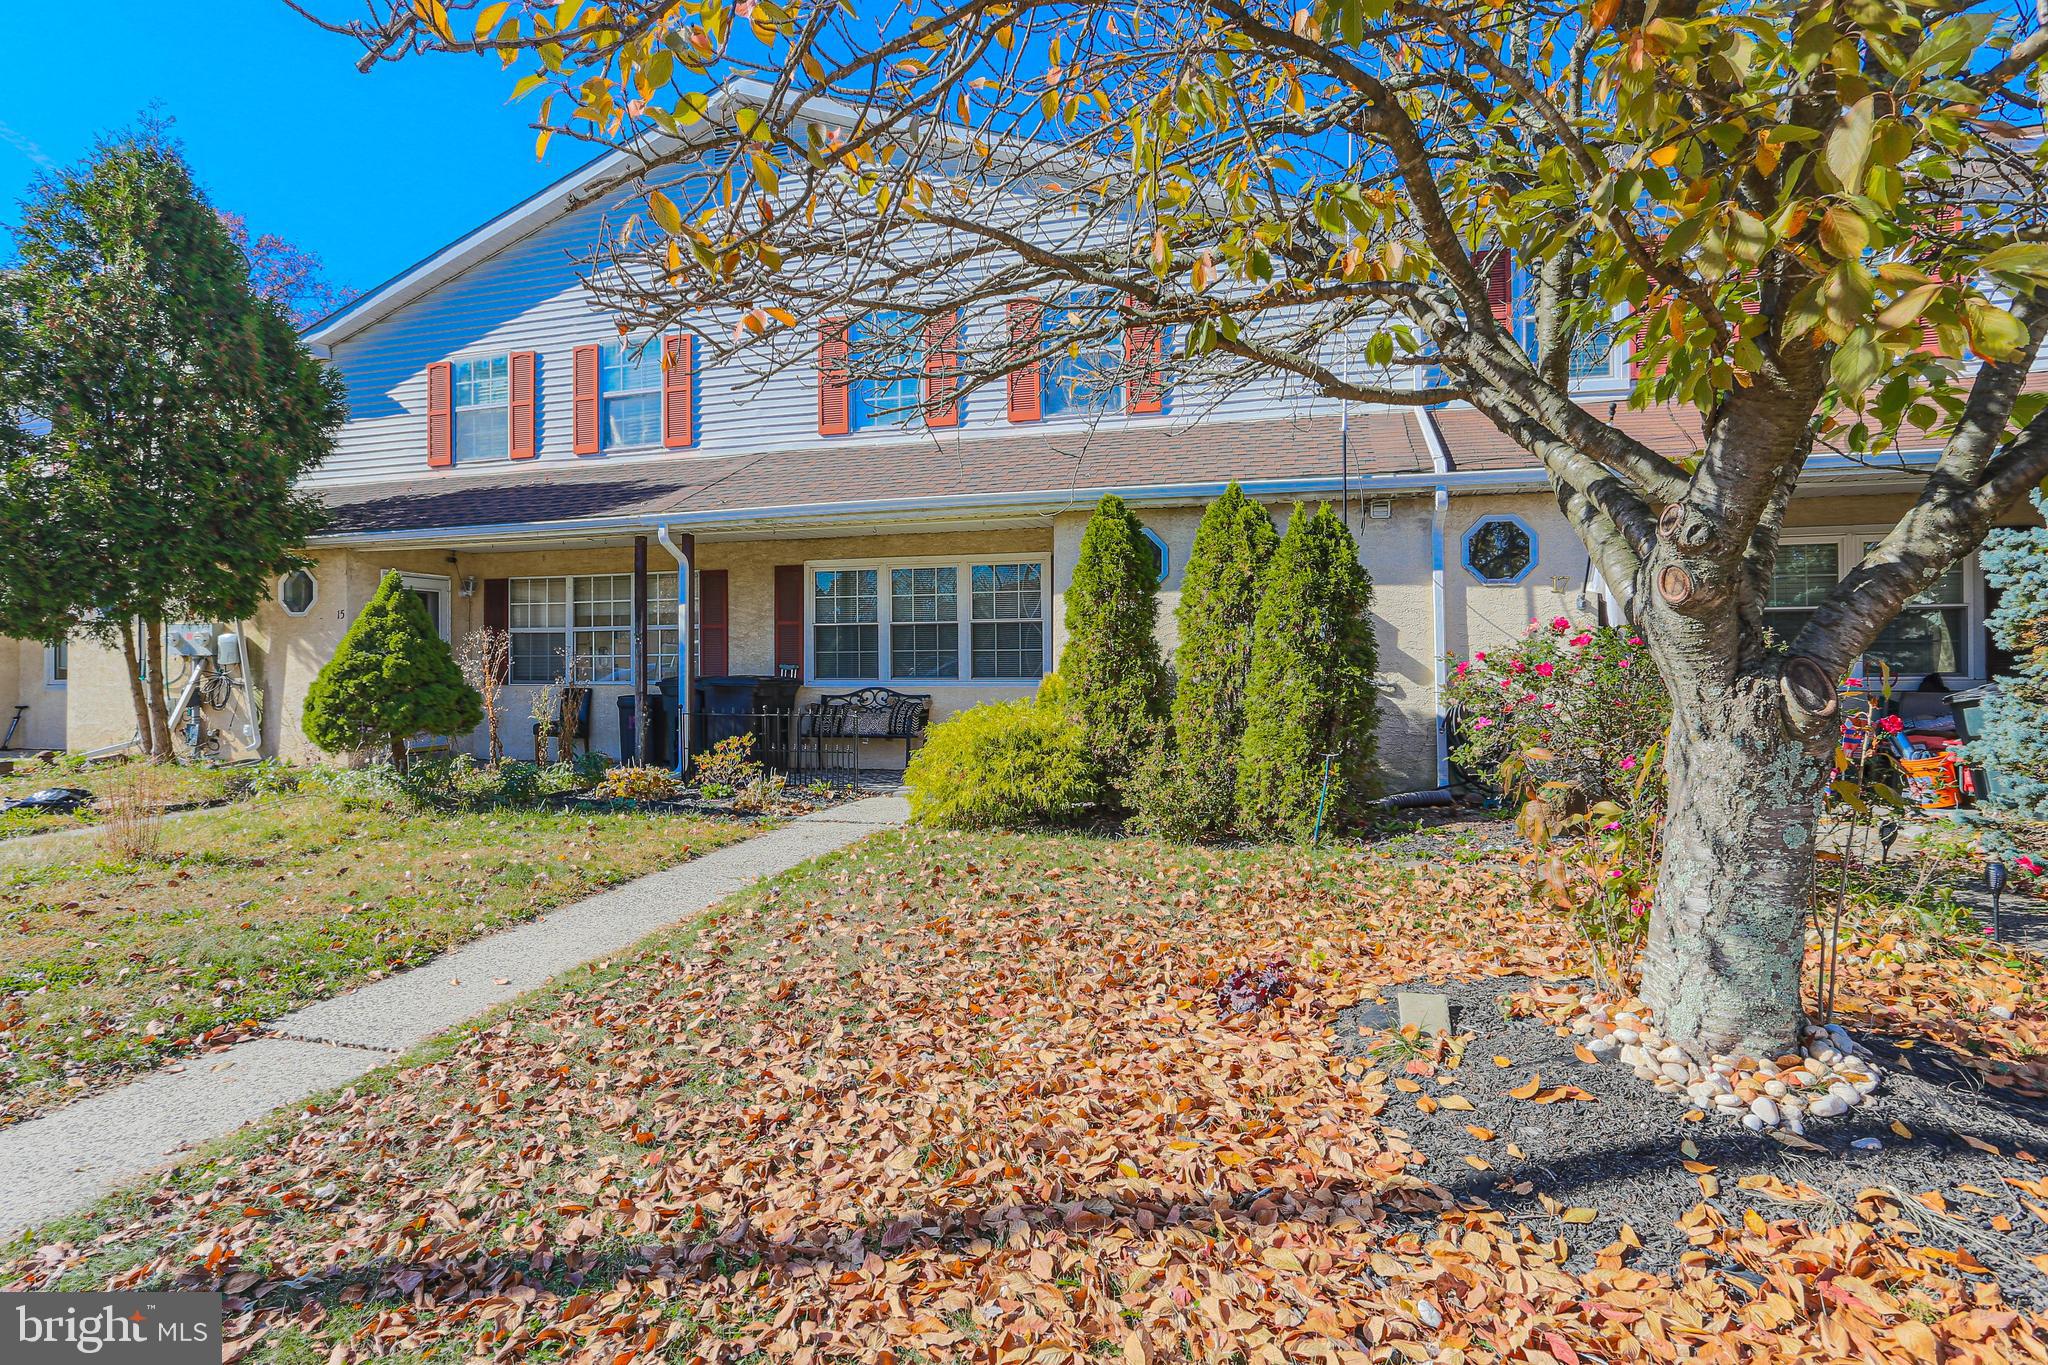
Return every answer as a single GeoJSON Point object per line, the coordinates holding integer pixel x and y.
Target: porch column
{"type": "Point", "coordinates": [642, 745]}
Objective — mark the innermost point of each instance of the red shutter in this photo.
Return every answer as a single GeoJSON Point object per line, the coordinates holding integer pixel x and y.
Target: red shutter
{"type": "Point", "coordinates": [583, 372]}
{"type": "Point", "coordinates": [1946, 219]}
{"type": "Point", "coordinates": [1497, 267]}
{"type": "Point", "coordinates": [942, 370]}
{"type": "Point", "coordinates": [440, 415]}
{"type": "Point", "coordinates": [1145, 390]}
{"type": "Point", "coordinates": [835, 384]}
{"type": "Point", "coordinates": [714, 626]}
{"type": "Point", "coordinates": [1026, 402]}
{"type": "Point", "coordinates": [522, 406]}
{"type": "Point", "coordinates": [678, 385]}
{"type": "Point", "coordinates": [498, 616]}
{"type": "Point", "coordinates": [789, 617]}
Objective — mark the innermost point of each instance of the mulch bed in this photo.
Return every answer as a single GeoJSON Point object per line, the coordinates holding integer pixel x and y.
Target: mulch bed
{"type": "Point", "coordinates": [1621, 1154]}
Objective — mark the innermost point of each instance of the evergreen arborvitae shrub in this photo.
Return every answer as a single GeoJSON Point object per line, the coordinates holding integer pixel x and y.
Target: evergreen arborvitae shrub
{"type": "Point", "coordinates": [2014, 743]}
{"type": "Point", "coordinates": [392, 677]}
{"type": "Point", "coordinates": [1219, 601]}
{"type": "Point", "coordinates": [1312, 689]}
{"type": "Point", "coordinates": [1111, 676]}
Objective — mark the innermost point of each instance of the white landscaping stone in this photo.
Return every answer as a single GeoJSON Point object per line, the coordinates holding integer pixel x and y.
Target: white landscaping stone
{"type": "Point", "coordinates": [1827, 1106]}
{"type": "Point", "coordinates": [1764, 1108]}
{"type": "Point", "coordinates": [1754, 1123]}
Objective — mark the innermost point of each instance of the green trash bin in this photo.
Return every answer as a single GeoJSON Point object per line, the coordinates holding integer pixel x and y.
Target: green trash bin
{"type": "Point", "coordinates": [1968, 709]}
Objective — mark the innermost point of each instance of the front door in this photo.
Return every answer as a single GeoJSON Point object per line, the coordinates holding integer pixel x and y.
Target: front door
{"type": "Point", "coordinates": [433, 593]}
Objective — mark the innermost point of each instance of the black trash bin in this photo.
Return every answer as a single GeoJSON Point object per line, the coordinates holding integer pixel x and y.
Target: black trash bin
{"type": "Point", "coordinates": [657, 730]}
{"type": "Point", "coordinates": [738, 704]}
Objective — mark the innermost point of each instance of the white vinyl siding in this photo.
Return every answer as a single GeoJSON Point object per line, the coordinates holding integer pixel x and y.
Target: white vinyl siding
{"type": "Point", "coordinates": [928, 621]}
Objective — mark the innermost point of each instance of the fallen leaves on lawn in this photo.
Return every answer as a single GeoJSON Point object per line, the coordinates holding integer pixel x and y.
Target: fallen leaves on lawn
{"type": "Point", "coordinates": [967, 1099]}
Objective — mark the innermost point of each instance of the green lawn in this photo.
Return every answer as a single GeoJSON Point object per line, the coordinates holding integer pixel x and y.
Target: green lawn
{"type": "Point", "coordinates": [109, 965]}
{"type": "Point", "coordinates": [172, 784]}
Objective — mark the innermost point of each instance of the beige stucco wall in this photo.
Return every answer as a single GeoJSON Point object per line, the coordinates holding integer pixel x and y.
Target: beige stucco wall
{"type": "Point", "coordinates": [1394, 551]}
{"type": "Point", "coordinates": [24, 681]}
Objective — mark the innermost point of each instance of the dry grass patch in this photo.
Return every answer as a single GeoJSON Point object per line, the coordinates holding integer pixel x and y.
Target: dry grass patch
{"type": "Point", "coordinates": [121, 950]}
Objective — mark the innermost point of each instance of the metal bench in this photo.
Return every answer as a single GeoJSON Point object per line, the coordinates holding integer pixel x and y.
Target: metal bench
{"type": "Point", "coordinates": [870, 713]}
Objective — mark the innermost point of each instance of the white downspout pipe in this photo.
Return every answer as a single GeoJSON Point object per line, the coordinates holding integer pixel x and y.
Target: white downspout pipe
{"type": "Point", "coordinates": [1440, 462]}
{"type": "Point", "coordinates": [685, 656]}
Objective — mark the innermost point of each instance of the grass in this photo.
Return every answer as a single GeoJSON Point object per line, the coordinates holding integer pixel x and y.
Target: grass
{"type": "Point", "coordinates": [110, 964]}
{"type": "Point", "coordinates": [176, 784]}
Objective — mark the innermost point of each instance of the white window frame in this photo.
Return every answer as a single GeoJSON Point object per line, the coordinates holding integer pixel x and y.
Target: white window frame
{"type": "Point", "coordinates": [628, 348]}
{"type": "Point", "coordinates": [1848, 542]}
{"type": "Point", "coordinates": [311, 602]}
{"type": "Point", "coordinates": [57, 665]}
{"type": "Point", "coordinates": [427, 582]}
{"type": "Point", "coordinates": [456, 408]}
{"type": "Point", "coordinates": [964, 601]}
{"type": "Point", "coordinates": [658, 597]}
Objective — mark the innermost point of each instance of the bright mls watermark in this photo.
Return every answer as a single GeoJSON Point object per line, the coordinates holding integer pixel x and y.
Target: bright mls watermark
{"type": "Point", "coordinates": [110, 1329]}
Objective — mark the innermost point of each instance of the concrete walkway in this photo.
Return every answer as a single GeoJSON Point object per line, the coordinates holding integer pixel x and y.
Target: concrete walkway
{"type": "Point", "coordinates": [63, 1162]}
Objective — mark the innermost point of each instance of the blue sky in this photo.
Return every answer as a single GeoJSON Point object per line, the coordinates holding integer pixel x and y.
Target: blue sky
{"type": "Point", "coordinates": [371, 171]}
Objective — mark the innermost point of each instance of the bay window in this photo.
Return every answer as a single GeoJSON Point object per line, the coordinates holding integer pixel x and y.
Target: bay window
{"type": "Point", "coordinates": [581, 627]}
{"type": "Point", "coordinates": [912, 622]}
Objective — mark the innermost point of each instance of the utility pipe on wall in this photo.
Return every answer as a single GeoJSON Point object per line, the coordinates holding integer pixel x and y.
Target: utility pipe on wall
{"type": "Point", "coordinates": [1440, 464]}
{"type": "Point", "coordinates": [685, 656]}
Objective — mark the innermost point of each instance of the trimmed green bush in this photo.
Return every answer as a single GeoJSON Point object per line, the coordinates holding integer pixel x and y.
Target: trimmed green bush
{"type": "Point", "coordinates": [1002, 764]}
{"type": "Point", "coordinates": [392, 677]}
{"type": "Point", "coordinates": [1312, 690]}
{"type": "Point", "coordinates": [1111, 676]}
{"type": "Point", "coordinates": [1193, 792]}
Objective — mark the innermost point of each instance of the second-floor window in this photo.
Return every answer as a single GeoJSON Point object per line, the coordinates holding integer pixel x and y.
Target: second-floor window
{"type": "Point", "coordinates": [629, 385]}
{"type": "Point", "coordinates": [483, 412]}
{"type": "Point", "coordinates": [888, 354]}
{"type": "Point", "coordinates": [1085, 378]}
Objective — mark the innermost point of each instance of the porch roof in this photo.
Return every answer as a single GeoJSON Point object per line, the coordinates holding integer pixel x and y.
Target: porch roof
{"type": "Point", "coordinates": [1060, 465]}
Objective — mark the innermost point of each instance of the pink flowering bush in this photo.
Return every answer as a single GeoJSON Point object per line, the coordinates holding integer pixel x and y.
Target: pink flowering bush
{"type": "Point", "coordinates": [1564, 711]}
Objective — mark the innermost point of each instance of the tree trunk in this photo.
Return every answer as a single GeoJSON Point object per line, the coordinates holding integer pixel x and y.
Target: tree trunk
{"type": "Point", "coordinates": [153, 690]}
{"type": "Point", "coordinates": [1728, 928]}
{"type": "Point", "coordinates": [143, 739]}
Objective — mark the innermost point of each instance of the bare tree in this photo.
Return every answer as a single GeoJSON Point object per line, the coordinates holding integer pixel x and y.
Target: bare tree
{"type": "Point", "coordinates": [1824, 226]}
{"type": "Point", "coordinates": [486, 659]}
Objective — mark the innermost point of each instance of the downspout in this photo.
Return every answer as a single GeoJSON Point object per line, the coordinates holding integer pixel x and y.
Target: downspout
{"type": "Point", "coordinates": [1440, 462]}
{"type": "Point", "coordinates": [685, 656]}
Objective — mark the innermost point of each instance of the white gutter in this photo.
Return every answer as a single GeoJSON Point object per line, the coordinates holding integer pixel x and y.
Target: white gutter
{"type": "Point", "coordinates": [684, 660]}
{"type": "Point", "coordinates": [1440, 461]}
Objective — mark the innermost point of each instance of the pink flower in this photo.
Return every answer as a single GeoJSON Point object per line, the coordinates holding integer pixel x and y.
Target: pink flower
{"type": "Point", "coordinates": [1635, 640]}
{"type": "Point", "coordinates": [1580, 641]}
{"type": "Point", "coordinates": [1623, 663]}
{"type": "Point", "coordinates": [1615, 872]}
{"type": "Point", "coordinates": [1561, 624]}
{"type": "Point", "coordinates": [1628, 765]}
{"type": "Point", "coordinates": [1481, 722]}
{"type": "Point", "coordinates": [1891, 725]}
{"type": "Point", "coordinates": [1517, 667]}
{"type": "Point", "coordinates": [2029, 866]}
{"type": "Point", "coordinates": [1545, 670]}
{"type": "Point", "coordinates": [1550, 706]}
{"type": "Point", "coordinates": [1461, 669]}
{"type": "Point", "coordinates": [1612, 824]}
{"type": "Point", "coordinates": [1478, 658]}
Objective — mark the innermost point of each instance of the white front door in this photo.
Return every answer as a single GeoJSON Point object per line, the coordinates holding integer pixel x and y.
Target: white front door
{"type": "Point", "coordinates": [433, 593]}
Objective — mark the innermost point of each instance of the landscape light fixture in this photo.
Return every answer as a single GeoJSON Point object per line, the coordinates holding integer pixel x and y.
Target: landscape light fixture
{"type": "Point", "coordinates": [1994, 877]}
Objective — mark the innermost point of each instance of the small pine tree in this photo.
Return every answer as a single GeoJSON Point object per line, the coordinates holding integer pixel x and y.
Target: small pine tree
{"type": "Point", "coordinates": [1111, 676]}
{"type": "Point", "coordinates": [1219, 601]}
{"type": "Point", "coordinates": [392, 676]}
{"type": "Point", "coordinates": [2013, 743]}
{"type": "Point", "coordinates": [1312, 691]}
